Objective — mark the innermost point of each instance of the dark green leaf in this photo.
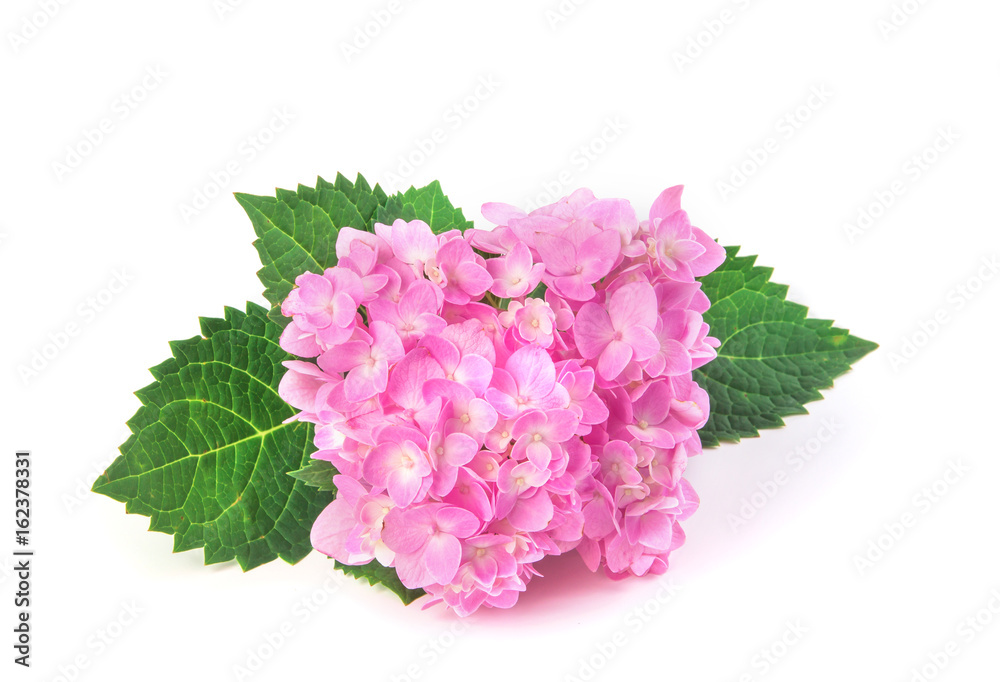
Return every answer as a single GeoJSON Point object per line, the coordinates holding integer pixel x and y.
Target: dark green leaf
{"type": "Point", "coordinates": [297, 231]}
{"type": "Point", "coordinates": [210, 448]}
{"type": "Point", "coordinates": [428, 204]}
{"type": "Point", "coordinates": [375, 573]}
{"type": "Point", "coordinates": [539, 291]}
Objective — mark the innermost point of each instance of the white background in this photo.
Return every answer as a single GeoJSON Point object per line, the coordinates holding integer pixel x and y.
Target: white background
{"type": "Point", "coordinates": [899, 425]}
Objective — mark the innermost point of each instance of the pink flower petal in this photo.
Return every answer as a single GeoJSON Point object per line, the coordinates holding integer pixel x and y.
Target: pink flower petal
{"type": "Point", "coordinates": [642, 340]}
{"type": "Point", "coordinates": [442, 557]}
{"type": "Point", "coordinates": [413, 242]}
{"type": "Point", "coordinates": [631, 305]}
{"type": "Point", "coordinates": [668, 202]}
{"type": "Point", "coordinates": [613, 359]}
{"type": "Point", "coordinates": [558, 254]}
{"type": "Point", "coordinates": [593, 330]}
{"type": "Point", "coordinates": [474, 372]}
{"type": "Point", "coordinates": [532, 514]}
{"type": "Point", "coordinates": [456, 521]}
{"type": "Point", "coordinates": [598, 255]}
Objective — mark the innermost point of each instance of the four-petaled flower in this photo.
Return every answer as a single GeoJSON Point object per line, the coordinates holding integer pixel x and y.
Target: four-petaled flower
{"type": "Point", "coordinates": [620, 332]}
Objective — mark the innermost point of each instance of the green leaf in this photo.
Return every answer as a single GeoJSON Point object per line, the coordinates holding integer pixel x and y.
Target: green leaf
{"type": "Point", "coordinates": [491, 299]}
{"type": "Point", "coordinates": [297, 231]}
{"type": "Point", "coordinates": [539, 291]}
{"type": "Point", "coordinates": [375, 573]}
{"type": "Point", "coordinates": [318, 473]}
{"type": "Point", "coordinates": [210, 448]}
{"type": "Point", "coordinates": [428, 204]}
{"type": "Point", "coordinates": [773, 358]}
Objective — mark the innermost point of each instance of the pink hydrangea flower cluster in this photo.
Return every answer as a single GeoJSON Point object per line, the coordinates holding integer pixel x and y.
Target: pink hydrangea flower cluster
{"type": "Point", "coordinates": [472, 441]}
